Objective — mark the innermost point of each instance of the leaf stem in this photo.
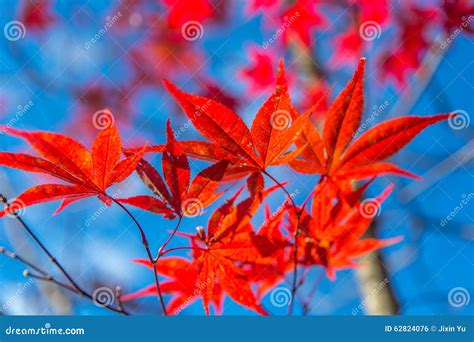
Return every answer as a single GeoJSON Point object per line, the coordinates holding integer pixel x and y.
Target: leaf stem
{"type": "Point", "coordinates": [148, 252]}
{"type": "Point", "coordinates": [295, 250]}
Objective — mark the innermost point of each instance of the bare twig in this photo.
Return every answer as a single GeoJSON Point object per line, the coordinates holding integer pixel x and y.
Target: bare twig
{"type": "Point", "coordinates": [43, 247]}
{"type": "Point", "coordinates": [48, 278]}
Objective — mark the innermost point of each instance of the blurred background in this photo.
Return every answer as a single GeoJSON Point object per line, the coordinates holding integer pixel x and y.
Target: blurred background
{"type": "Point", "coordinates": [62, 61]}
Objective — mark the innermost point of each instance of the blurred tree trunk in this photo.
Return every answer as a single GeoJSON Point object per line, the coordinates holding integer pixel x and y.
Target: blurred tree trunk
{"type": "Point", "coordinates": [374, 283]}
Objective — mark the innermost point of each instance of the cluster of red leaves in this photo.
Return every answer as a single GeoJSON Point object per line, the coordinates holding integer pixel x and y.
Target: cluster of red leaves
{"type": "Point", "coordinates": [36, 15]}
{"type": "Point", "coordinates": [231, 256]}
{"type": "Point", "coordinates": [400, 53]}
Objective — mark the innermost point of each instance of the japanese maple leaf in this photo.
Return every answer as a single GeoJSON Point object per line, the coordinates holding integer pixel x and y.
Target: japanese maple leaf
{"type": "Point", "coordinates": [179, 12]}
{"type": "Point", "coordinates": [213, 91]}
{"type": "Point", "coordinates": [273, 244]}
{"type": "Point", "coordinates": [167, 46]}
{"type": "Point", "coordinates": [334, 154]}
{"type": "Point", "coordinates": [414, 23]}
{"type": "Point", "coordinates": [260, 73]}
{"type": "Point", "coordinates": [177, 195]}
{"type": "Point", "coordinates": [89, 173]}
{"type": "Point", "coordinates": [229, 241]}
{"type": "Point", "coordinates": [457, 14]}
{"type": "Point", "coordinates": [248, 150]}
{"type": "Point", "coordinates": [373, 10]}
{"type": "Point", "coordinates": [317, 93]}
{"type": "Point", "coordinates": [306, 17]}
{"type": "Point", "coordinates": [36, 15]}
{"type": "Point", "coordinates": [332, 234]}
{"type": "Point", "coordinates": [348, 46]}
{"type": "Point", "coordinates": [181, 283]}
{"type": "Point", "coordinates": [253, 6]}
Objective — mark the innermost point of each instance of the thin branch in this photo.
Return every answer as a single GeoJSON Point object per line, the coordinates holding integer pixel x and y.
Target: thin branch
{"type": "Point", "coordinates": [180, 249]}
{"type": "Point", "coordinates": [48, 278]}
{"type": "Point", "coordinates": [295, 250]}
{"type": "Point", "coordinates": [43, 247]}
{"type": "Point", "coordinates": [150, 256]}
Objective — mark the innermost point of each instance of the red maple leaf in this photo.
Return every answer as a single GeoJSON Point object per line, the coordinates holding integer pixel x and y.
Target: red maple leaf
{"type": "Point", "coordinates": [260, 73]}
{"type": "Point", "coordinates": [36, 15]}
{"type": "Point", "coordinates": [335, 154]}
{"type": "Point", "coordinates": [332, 234]}
{"type": "Point", "coordinates": [176, 194]}
{"type": "Point", "coordinates": [373, 10]}
{"type": "Point", "coordinates": [456, 15]}
{"type": "Point", "coordinates": [247, 150]}
{"type": "Point", "coordinates": [218, 256]}
{"type": "Point", "coordinates": [253, 6]}
{"type": "Point", "coordinates": [66, 159]}
{"type": "Point", "coordinates": [181, 283]}
{"type": "Point", "coordinates": [179, 12]}
{"type": "Point", "coordinates": [413, 43]}
{"type": "Point", "coordinates": [229, 241]}
{"type": "Point", "coordinates": [349, 46]}
{"type": "Point", "coordinates": [305, 17]}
